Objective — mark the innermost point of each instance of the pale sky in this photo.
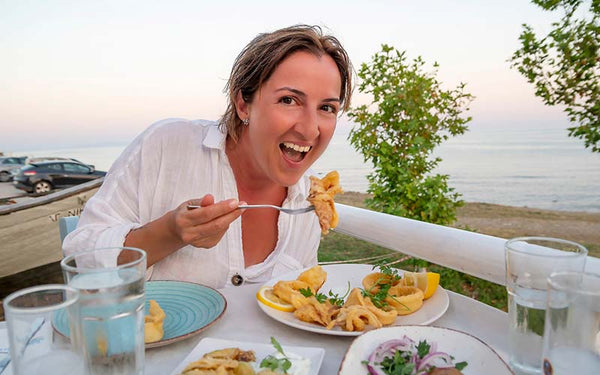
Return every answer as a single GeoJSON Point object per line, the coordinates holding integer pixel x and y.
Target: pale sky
{"type": "Point", "coordinates": [84, 72]}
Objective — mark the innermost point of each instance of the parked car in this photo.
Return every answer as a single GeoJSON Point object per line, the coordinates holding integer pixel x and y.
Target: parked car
{"type": "Point", "coordinates": [38, 159]}
{"type": "Point", "coordinates": [8, 164]}
{"type": "Point", "coordinates": [43, 177]}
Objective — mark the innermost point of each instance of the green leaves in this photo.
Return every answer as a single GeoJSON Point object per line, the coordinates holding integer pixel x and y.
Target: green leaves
{"type": "Point", "coordinates": [409, 116]}
{"type": "Point", "coordinates": [333, 298]}
{"type": "Point", "coordinates": [273, 363]}
{"type": "Point", "coordinates": [564, 65]}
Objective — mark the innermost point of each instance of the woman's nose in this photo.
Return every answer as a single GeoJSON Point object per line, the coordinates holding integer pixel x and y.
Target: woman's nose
{"type": "Point", "coordinates": [308, 124]}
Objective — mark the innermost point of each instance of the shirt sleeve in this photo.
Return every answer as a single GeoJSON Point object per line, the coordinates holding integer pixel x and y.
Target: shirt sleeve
{"type": "Point", "coordinates": [114, 210]}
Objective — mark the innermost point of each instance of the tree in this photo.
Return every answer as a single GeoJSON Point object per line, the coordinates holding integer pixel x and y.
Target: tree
{"type": "Point", "coordinates": [411, 115]}
{"type": "Point", "coordinates": [564, 65]}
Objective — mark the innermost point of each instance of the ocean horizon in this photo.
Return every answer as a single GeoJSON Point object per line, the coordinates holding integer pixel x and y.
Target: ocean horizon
{"type": "Point", "coordinates": [537, 168]}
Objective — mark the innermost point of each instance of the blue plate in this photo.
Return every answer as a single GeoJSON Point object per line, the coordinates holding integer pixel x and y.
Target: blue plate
{"type": "Point", "coordinates": [189, 308]}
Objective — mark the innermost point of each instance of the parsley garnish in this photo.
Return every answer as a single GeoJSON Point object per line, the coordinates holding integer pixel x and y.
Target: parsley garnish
{"type": "Point", "coordinates": [423, 348]}
{"type": "Point", "coordinates": [460, 365]}
{"type": "Point", "coordinates": [273, 363]}
{"type": "Point", "coordinates": [333, 298]}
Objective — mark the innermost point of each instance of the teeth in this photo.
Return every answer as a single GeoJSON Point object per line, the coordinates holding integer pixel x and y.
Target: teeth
{"type": "Point", "coordinates": [296, 147]}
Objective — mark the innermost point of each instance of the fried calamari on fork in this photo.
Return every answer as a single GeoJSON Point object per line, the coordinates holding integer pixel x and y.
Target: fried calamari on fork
{"type": "Point", "coordinates": [357, 299]}
{"type": "Point", "coordinates": [321, 196]}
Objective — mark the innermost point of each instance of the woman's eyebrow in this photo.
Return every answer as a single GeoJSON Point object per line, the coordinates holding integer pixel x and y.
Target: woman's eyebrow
{"type": "Point", "coordinates": [303, 95]}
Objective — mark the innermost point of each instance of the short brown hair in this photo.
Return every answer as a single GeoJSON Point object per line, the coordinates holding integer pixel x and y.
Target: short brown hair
{"type": "Point", "coordinates": [259, 59]}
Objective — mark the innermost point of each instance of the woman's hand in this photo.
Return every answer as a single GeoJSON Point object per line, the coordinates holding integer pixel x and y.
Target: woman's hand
{"type": "Point", "coordinates": [205, 226]}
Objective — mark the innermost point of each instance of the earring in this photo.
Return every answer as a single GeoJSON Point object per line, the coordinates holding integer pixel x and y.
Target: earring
{"type": "Point", "coordinates": [245, 121]}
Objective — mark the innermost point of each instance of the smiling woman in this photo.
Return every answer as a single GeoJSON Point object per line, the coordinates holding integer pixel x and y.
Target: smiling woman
{"type": "Point", "coordinates": [285, 92]}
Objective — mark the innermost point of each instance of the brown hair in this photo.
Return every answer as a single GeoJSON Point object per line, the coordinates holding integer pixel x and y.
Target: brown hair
{"type": "Point", "coordinates": [259, 59]}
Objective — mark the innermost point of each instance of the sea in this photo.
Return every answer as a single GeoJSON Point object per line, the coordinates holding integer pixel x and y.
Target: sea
{"type": "Point", "coordinates": [524, 167]}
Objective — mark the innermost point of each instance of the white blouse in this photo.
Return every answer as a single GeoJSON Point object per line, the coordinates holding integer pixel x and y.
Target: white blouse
{"type": "Point", "coordinates": [172, 161]}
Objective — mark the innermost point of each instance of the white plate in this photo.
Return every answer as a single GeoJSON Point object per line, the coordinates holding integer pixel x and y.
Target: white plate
{"type": "Point", "coordinates": [209, 344]}
{"type": "Point", "coordinates": [480, 358]}
{"type": "Point", "coordinates": [338, 277]}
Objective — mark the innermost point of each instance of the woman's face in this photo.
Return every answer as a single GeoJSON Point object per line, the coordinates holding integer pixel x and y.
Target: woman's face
{"type": "Point", "coordinates": [292, 117]}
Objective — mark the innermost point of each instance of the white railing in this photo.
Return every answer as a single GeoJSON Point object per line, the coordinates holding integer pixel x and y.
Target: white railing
{"type": "Point", "coordinates": [472, 253]}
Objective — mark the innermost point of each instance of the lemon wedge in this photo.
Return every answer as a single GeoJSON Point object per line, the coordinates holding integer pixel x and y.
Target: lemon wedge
{"type": "Point", "coordinates": [266, 296]}
{"type": "Point", "coordinates": [426, 281]}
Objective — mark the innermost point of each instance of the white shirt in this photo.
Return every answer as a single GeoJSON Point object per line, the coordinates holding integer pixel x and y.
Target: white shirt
{"type": "Point", "coordinates": [171, 162]}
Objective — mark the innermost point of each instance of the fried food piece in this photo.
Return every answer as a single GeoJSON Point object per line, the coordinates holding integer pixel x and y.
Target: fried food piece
{"type": "Point", "coordinates": [321, 196]}
{"type": "Point", "coordinates": [405, 299]}
{"type": "Point", "coordinates": [285, 289]}
{"type": "Point", "coordinates": [229, 361]}
{"type": "Point", "coordinates": [315, 277]}
{"type": "Point", "coordinates": [313, 311]}
{"type": "Point", "coordinates": [233, 353]}
{"type": "Point", "coordinates": [153, 323]}
{"type": "Point", "coordinates": [355, 318]}
{"type": "Point", "coordinates": [373, 281]}
{"type": "Point", "coordinates": [357, 299]}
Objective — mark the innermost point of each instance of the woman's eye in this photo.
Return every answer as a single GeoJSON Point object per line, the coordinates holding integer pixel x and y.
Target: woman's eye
{"type": "Point", "coordinates": [329, 108]}
{"type": "Point", "coordinates": [287, 100]}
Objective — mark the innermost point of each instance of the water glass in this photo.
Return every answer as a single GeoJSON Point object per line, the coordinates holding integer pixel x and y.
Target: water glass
{"type": "Point", "coordinates": [34, 348]}
{"type": "Point", "coordinates": [529, 262]}
{"type": "Point", "coordinates": [111, 285]}
{"type": "Point", "coordinates": [572, 335]}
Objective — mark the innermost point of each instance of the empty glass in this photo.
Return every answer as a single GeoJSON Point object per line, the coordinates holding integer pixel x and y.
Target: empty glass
{"type": "Point", "coordinates": [111, 285]}
{"type": "Point", "coordinates": [529, 262]}
{"type": "Point", "coordinates": [34, 346]}
{"type": "Point", "coordinates": [572, 331]}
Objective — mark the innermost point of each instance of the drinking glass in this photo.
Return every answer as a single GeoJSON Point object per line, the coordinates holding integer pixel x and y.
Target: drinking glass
{"type": "Point", "coordinates": [572, 335]}
{"type": "Point", "coordinates": [111, 285]}
{"type": "Point", "coordinates": [34, 349]}
{"type": "Point", "coordinates": [529, 262]}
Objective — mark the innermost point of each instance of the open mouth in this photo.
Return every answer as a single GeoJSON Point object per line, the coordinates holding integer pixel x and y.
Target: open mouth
{"type": "Point", "coordinates": [293, 151]}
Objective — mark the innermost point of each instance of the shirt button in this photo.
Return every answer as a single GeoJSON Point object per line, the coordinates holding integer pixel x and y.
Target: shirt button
{"type": "Point", "coordinates": [237, 280]}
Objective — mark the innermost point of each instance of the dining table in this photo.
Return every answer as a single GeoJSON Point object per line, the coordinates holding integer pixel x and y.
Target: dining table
{"type": "Point", "coordinates": [243, 320]}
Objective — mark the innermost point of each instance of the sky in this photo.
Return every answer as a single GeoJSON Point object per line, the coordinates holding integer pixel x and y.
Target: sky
{"type": "Point", "coordinates": [81, 73]}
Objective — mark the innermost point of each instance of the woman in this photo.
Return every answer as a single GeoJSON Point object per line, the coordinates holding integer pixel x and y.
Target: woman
{"type": "Point", "coordinates": [286, 91]}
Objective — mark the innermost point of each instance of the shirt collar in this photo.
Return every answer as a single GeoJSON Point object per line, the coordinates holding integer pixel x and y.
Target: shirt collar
{"type": "Point", "coordinates": [215, 138]}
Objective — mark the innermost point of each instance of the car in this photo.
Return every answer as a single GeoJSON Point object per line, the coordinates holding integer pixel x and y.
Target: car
{"type": "Point", "coordinates": [45, 176]}
{"type": "Point", "coordinates": [38, 159]}
{"type": "Point", "coordinates": [9, 164]}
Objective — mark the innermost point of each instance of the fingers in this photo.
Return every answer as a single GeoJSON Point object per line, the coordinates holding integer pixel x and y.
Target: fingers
{"type": "Point", "coordinates": [205, 226]}
{"type": "Point", "coordinates": [206, 200]}
{"type": "Point", "coordinates": [210, 211]}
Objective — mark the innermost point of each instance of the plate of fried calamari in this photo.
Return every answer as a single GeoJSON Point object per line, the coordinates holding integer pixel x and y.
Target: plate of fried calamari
{"type": "Point", "coordinates": [349, 299]}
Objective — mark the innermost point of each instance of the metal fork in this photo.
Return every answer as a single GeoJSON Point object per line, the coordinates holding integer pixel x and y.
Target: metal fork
{"type": "Point", "coordinates": [291, 211]}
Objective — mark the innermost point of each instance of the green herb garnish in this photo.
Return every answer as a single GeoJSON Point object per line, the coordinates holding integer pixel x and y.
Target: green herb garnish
{"type": "Point", "coordinates": [423, 348]}
{"type": "Point", "coordinates": [273, 363]}
{"type": "Point", "coordinates": [333, 298]}
{"type": "Point", "coordinates": [460, 365]}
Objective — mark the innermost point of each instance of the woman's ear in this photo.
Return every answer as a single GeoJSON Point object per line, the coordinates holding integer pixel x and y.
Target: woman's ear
{"type": "Point", "coordinates": [241, 107]}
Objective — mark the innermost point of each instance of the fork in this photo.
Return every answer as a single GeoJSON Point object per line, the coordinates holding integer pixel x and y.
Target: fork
{"type": "Point", "coordinates": [291, 211]}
